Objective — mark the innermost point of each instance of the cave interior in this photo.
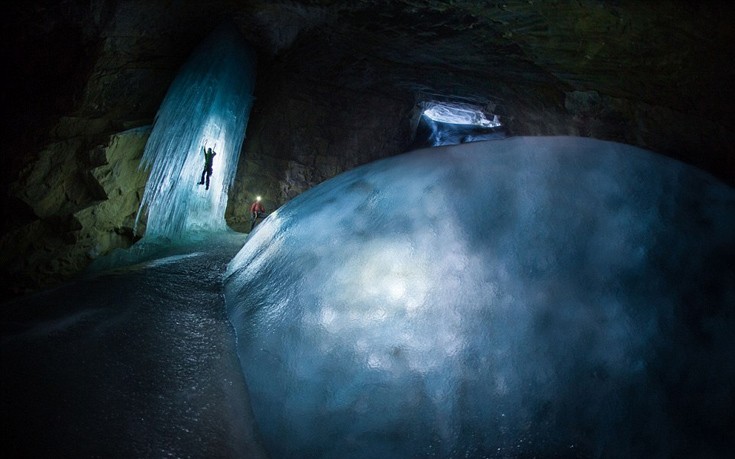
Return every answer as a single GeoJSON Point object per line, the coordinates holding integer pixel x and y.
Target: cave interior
{"type": "Point", "coordinates": [339, 84]}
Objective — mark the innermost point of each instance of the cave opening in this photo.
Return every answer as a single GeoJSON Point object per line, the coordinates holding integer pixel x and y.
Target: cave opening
{"type": "Point", "coordinates": [452, 123]}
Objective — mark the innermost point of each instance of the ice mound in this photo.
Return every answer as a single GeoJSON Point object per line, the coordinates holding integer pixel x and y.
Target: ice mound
{"type": "Point", "coordinates": [526, 297]}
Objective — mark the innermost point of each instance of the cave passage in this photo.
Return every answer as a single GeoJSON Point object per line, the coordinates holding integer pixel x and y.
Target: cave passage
{"type": "Point", "coordinates": [136, 362]}
{"type": "Point", "coordinates": [445, 123]}
{"type": "Point", "coordinates": [459, 114]}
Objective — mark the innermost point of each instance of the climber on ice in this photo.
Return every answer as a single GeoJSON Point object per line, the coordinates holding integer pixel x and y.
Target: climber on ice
{"type": "Point", "coordinates": [208, 157]}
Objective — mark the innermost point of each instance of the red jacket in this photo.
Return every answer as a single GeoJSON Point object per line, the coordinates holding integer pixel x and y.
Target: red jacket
{"type": "Point", "coordinates": [257, 207]}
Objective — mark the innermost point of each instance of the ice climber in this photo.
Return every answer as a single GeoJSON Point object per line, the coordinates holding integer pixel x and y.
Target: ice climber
{"type": "Point", "coordinates": [208, 157]}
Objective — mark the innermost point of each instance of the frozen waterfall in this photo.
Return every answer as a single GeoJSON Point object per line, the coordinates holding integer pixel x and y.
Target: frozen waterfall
{"type": "Point", "coordinates": [207, 106]}
{"type": "Point", "coordinates": [527, 297]}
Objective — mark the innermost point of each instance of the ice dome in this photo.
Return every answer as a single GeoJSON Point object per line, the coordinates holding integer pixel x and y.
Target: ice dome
{"type": "Point", "coordinates": [526, 297]}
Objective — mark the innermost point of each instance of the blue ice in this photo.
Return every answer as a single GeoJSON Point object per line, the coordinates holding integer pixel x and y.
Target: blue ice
{"type": "Point", "coordinates": [525, 297]}
{"type": "Point", "coordinates": [207, 106]}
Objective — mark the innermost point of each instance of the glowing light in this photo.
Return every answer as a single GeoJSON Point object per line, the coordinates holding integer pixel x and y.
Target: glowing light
{"type": "Point", "coordinates": [207, 106]}
{"type": "Point", "coordinates": [460, 114]}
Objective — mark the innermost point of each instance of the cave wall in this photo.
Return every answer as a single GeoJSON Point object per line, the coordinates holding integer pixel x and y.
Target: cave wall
{"type": "Point", "coordinates": [302, 132]}
{"type": "Point", "coordinates": [688, 136]}
{"type": "Point", "coordinates": [84, 208]}
{"type": "Point", "coordinates": [74, 182]}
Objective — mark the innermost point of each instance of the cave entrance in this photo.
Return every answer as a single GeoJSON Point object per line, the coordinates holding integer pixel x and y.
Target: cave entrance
{"type": "Point", "coordinates": [452, 123]}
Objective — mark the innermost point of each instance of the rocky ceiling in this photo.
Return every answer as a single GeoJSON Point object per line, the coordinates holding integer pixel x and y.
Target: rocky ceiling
{"type": "Point", "coordinates": [339, 83]}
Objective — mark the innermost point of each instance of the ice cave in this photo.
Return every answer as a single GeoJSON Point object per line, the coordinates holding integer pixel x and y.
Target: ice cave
{"type": "Point", "coordinates": [492, 230]}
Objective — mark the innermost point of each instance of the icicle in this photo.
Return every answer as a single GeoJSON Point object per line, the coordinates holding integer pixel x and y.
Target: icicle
{"type": "Point", "coordinates": [207, 105]}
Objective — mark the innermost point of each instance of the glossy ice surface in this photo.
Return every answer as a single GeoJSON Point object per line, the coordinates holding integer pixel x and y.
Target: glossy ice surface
{"type": "Point", "coordinates": [527, 297]}
{"type": "Point", "coordinates": [134, 362]}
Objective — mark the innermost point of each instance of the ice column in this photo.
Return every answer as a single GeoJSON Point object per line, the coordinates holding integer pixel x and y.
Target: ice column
{"type": "Point", "coordinates": [207, 105]}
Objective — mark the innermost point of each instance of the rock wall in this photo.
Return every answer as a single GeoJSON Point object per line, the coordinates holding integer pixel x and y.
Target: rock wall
{"type": "Point", "coordinates": [687, 136]}
{"type": "Point", "coordinates": [303, 132]}
{"type": "Point", "coordinates": [85, 202]}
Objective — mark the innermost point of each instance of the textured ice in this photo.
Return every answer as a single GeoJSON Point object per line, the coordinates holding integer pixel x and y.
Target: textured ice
{"type": "Point", "coordinates": [527, 297]}
{"type": "Point", "coordinates": [437, 133]}
{"type": "Point", "coordinates": [207, 105]}
{"type": "Point", "coordinates": [458, 114]}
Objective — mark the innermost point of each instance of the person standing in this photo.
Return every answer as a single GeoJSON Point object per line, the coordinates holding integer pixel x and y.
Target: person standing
{"type": "Point", "coordinates": [208, 158]}
{"type": "Point", "coordinates": [256, 211]}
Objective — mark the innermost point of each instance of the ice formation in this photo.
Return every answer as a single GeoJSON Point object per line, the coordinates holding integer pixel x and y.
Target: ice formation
{"type": "Point", "coordinates": [207, 105]}
{"type": "Point", "coordinates": [459, 114]}
{"type": "Point", "coordinates": [436, 133]}
{"type": "Point", "coordinates": [454, 123]}
{"type": "Point", "coordinates": [526, 297]}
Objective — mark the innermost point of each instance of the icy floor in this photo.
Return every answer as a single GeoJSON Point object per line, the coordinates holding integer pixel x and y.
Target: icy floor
{"type": "Point", "coordinates": [138, 362]}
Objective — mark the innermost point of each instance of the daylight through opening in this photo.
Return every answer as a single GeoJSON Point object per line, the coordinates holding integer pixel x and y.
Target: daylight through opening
{"type": "Point", "coordinates": [452, 123]}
